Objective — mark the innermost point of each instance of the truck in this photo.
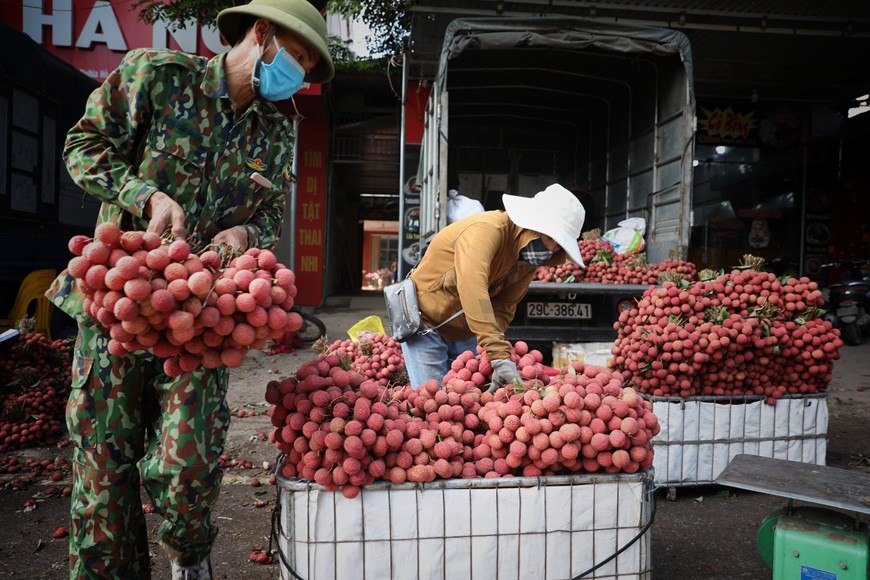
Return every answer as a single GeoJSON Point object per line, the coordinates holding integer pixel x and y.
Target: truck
{"type": "Point", "coordinates": [605, 109]}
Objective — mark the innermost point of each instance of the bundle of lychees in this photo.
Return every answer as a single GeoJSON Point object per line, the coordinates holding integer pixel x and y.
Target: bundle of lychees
{"type": "Point", "coordinates": [476, 368]}
{"type": "Point", "coordinates": [376, 356]}
{"type": "Point", "coordinates": [184, 308]}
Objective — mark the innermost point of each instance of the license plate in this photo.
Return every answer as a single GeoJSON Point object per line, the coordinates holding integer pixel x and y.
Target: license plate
{"type": "Point", "coordinates": [558, 310]}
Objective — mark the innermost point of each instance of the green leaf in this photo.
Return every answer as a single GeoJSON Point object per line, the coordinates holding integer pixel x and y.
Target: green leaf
{"type": "Point", "coordinates": [678, 319]}
{"type": "Point", "coordinates": [603, 256]}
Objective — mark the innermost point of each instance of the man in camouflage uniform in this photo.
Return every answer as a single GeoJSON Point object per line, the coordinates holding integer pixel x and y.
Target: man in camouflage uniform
{"type": "Point", "coordinates": [169, 141]}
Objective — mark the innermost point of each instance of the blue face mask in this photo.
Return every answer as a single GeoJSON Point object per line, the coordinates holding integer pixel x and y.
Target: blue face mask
{"type": "Point", "coordinates": [278, 80]}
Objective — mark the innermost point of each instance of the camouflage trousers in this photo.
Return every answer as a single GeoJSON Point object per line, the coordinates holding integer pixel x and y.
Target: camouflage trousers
{"type": "Point", "coordinates": [133, 426]}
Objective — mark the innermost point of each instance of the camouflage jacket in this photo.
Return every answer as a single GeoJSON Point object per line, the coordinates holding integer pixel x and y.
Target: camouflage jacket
{"type": "Point", "coordinates": [163, 120]}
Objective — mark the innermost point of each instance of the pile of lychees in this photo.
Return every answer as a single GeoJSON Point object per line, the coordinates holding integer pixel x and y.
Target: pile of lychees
{"type": "Point", "coordinates": [35, 378]}
{"type": "Point", "coordinates": [605, 266]}
{"type": "Point", "coordinates": [343, 431]}
{"type": "Point", "coordinates": [185, 308]}
{"type": "Point", "coordinates": [744, 332]}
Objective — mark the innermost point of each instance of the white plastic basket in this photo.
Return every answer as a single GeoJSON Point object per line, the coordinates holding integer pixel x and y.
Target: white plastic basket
{"type": "Point", "coordinates": [509, 528]}
{"type": "Point", "coordinates": [701, 435]}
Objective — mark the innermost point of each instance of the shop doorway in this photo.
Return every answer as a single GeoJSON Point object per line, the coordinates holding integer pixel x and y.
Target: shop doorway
{"type": "Point", "coordinates": [380, 253]}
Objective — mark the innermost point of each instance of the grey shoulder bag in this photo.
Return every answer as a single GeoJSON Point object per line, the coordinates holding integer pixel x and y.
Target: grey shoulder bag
{"type": "Point", "coordinates": [404, 311]}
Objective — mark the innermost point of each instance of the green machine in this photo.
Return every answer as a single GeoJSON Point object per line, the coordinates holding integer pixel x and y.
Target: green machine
{"type": "Point", "coordinates": [809, 542]}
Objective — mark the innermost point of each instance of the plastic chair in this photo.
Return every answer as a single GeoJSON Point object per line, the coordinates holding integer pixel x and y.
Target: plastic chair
{"type": "Point", "coordinates": [32, 288]}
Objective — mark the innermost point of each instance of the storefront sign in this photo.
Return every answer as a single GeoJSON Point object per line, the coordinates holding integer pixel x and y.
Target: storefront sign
{"type": "Point", "coordinates": [818, 239]}
{"type": "Point", "coordinates": [311, 203]}
{"type": "Point", "coordinates": [727, 126]}
{"type": "Point", "coordinates": [94, 35]}
{"type": "Point", "coordinates": [409, 227]}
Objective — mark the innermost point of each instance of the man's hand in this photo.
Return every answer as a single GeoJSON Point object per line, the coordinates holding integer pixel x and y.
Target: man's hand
{"type": "Point", "coordinates": [236, 237]}
{"type": "Point", "coordinates": [504, 371]}
{"type": "Point", "coordinates": [165, 213]}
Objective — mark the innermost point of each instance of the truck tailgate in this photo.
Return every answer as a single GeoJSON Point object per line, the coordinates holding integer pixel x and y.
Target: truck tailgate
{"type": "Point", "coordinates": [578, 312]}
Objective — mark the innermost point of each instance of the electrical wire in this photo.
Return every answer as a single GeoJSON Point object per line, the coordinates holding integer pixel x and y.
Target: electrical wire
{"type": "Point", "coordinates": [640, 534]}
{"type": "Point", "coordinates": [275, 533]}
{"type": "Point", "coordinates": [393, 63]}
{"type": "Point", "coordinates": [276, 527]}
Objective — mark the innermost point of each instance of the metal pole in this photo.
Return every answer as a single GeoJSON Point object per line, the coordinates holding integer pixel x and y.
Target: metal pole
{"type": "Point", "coordinates": [802, 249]}
{"type": "Point", "coordinates": [400, 263]}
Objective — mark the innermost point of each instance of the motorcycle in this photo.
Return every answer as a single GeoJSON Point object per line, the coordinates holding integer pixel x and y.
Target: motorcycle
{"type": "Point", "coordinates": [849, 298]}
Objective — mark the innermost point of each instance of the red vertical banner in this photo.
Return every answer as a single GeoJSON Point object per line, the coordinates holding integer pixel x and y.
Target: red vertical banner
{"type": "Point", "coordinates": [311, 202]}
{"type": "Point", "coordinates": [415, 112]}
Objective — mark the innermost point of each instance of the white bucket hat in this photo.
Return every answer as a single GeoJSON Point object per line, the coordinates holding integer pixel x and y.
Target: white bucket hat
{"type": "Point", "coordinates": [555, 212]}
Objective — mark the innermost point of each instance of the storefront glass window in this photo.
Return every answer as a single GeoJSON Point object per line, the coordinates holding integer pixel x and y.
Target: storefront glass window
{"type": "Point", "coordinates": [746, 201]}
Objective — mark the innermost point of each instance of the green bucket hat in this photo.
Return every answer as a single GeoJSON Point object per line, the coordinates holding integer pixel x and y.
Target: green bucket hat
{"type": "Point", "coordinates": [297, 16]}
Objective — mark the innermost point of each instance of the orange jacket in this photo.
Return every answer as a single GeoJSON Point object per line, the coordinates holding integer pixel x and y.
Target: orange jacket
{"type": "Point", "coordinates": [461, 264]}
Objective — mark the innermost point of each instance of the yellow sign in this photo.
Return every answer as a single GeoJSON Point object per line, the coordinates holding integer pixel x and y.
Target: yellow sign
{"type": "Point", "coordinates": [727, 124]}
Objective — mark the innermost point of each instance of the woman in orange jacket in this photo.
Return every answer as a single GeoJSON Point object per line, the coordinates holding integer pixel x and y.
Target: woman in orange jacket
{"type": "Point", "coordinates": [482, 266]}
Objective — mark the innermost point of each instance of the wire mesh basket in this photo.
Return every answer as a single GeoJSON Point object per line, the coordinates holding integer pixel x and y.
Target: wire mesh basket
{"type": "Point", "coordinates": [590, 526]}
{"type": "Point", "coordinates": [700, 435]}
